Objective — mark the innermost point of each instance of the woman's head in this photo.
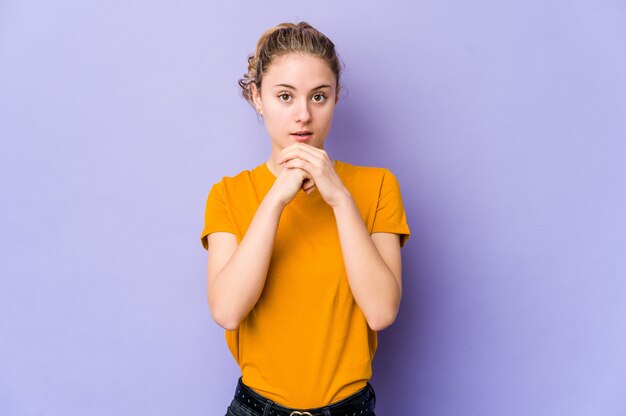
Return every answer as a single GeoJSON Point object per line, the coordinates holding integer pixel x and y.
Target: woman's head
{"type": "Point", "coordinates": [286, 38]}
{"type": "Point", "coordinates": [293, 82]}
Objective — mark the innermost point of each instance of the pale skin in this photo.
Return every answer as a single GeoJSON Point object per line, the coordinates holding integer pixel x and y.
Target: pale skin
{"type": "Point", "coordinates": [299, 94]}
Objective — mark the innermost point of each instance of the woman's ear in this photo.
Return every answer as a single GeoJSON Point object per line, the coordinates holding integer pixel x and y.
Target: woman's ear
{"type": "Point", "coordinates": [256, 98]}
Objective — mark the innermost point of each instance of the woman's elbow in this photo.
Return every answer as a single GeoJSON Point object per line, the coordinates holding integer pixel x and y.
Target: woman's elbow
{"type": "Point", "coordinates": [384, 314]}
{"type": "Point", "coordinates": [224, 317]}
{"type": "Point", "coordinates": [227, 326]}
{"type": "Point", "coordinates": [382, 320]}
{"type": "Point", "coordinates": [227, 322]}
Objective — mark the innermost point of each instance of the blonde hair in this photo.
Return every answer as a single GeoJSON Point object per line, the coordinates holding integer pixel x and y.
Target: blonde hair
{"type": "Point", "coordinates": [283, 39]}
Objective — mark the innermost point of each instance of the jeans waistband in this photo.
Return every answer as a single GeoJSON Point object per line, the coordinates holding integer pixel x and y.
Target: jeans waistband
{"type": "Point", "coordinates": [360, 403]}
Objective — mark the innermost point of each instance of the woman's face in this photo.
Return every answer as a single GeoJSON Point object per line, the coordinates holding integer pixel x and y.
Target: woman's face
{"type": "Point", "coordinates": [297, 100]}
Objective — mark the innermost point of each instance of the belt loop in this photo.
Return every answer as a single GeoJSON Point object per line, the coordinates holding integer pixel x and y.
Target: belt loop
{"type": "Point", "coordinates": [269, 404]}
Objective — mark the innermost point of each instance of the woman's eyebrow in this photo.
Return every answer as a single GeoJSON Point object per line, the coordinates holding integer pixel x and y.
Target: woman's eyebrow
{"type": "Point", "coordinates": [293, 88]}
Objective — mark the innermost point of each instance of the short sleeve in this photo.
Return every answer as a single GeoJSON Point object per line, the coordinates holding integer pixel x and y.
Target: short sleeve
{"type": "Point", "coordinates": [216, 216]}
{"type": "Point", "coordinates": [390, 215]}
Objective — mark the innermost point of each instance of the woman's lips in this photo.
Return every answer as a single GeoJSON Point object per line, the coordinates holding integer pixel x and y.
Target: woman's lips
{"type": "Point", "coordinates": [302, 137]}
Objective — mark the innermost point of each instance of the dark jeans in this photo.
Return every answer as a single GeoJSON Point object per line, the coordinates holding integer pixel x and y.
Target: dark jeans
{"type": "Point", "coordinates": [247, 402]}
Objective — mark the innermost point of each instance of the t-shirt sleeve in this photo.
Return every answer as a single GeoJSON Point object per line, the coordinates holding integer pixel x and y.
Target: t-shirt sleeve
{"type": "Point", "coordinates": [215, 215]}
{"type": "Point", "coordinates": [390, 215]}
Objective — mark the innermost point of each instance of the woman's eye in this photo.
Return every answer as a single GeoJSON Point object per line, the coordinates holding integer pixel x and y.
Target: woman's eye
{"type": "Point", "coordinates": [318, 98]}
{"type": "Point", "coordinates": [284, 97]}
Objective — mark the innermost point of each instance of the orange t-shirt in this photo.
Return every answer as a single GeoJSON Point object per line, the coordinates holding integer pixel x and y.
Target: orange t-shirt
{"type": "Point", "coordinates": [306, 342]}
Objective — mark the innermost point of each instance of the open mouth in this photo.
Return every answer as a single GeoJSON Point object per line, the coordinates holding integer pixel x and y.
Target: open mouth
{"type": "Point", "coordinates": [302, 136]}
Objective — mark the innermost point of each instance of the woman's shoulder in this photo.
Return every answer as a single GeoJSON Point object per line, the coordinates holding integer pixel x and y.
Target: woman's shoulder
{"type": "Point", "coordinates": [368, 182]}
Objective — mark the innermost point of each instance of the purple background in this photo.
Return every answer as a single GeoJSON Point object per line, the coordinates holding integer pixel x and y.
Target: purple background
{"type": "Point", "coordinates": [503, 121]}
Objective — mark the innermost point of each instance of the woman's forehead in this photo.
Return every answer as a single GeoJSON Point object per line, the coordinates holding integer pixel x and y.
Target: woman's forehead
{"type": "Point", "coordinates": [300, 71]}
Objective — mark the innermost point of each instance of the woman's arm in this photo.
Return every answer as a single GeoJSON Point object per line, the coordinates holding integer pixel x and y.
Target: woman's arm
{"type": "Point", "coordinates": [373, 265]}
{"type": "Point", "coordinates": [236, 273]}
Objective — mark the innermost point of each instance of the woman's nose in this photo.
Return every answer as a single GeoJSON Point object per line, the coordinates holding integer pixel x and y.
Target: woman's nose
{"type": "Point", "coordinates": [303, 113]}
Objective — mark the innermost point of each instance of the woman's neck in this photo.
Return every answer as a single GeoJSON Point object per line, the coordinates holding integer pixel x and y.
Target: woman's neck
{"type": "Point", "coordinates": [273, 166]}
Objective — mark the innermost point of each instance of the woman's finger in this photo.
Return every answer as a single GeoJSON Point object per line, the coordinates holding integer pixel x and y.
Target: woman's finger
{"type": "Point", "coordinates": [301, 152]}
{"type": "Point", "coordinates": [308, 184]}
{"type": "Point", "coordinates": [308, 187]}
{"type": "Point", "coordinates": [305, 147]}
{"type": "Point", "coordinates": [299, 164]}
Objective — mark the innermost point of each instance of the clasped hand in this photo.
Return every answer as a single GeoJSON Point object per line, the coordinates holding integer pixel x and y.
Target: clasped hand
{"type": "Point", "coordinates": [307, 167]}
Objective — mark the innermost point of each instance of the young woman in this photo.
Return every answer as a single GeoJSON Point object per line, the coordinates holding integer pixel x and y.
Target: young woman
{"type": "Point", "coordinates": [304, 259]}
